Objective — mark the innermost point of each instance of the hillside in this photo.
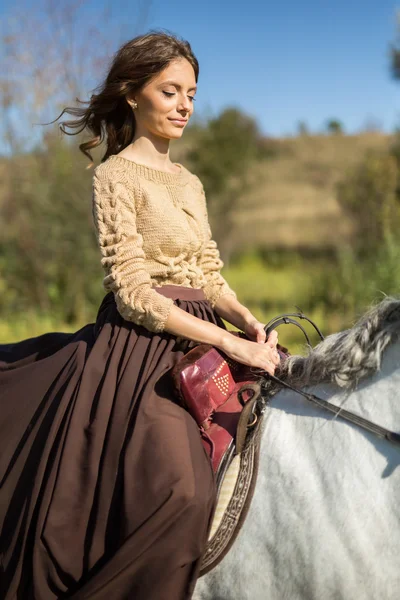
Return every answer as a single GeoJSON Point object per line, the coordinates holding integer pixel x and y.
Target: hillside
{"type": "Point", "coordinates": [291, 202]}
{"type": "Point", "coordinates": [292, 199]}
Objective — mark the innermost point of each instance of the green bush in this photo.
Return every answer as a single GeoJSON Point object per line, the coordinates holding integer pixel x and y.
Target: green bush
{"type": "Point", "coordinates": [368, 195]}
{"type": "Point", "coordinates": [226, 147]}
{"type": "Point", "coordinates": [49, 258]}
{"type": "Point", "coordinates": [354, 283]}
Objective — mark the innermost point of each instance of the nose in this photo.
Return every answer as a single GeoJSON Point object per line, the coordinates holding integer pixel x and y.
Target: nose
{"type": "Point", "coordinates": [184, 104]}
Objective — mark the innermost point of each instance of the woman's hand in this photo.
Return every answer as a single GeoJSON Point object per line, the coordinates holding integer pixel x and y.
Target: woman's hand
{"type": "Point", "coordinates": [230, 309]}
{"type": "Point", "coordinates": [255, 331]}
{"type": "Point", "coordinates": [253, 354]}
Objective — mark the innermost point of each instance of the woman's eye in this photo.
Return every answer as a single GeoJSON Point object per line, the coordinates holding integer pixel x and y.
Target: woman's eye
{"type": "Point", "coordinates": [173, 94]}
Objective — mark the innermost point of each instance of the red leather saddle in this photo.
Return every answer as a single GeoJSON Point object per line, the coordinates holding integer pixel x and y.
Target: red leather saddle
{"type": "Point", "coordinates": [214, 389]}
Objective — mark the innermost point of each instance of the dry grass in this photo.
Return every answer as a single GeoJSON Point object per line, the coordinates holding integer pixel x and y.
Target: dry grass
{"type": "Point", "coordinates": [292, 199]}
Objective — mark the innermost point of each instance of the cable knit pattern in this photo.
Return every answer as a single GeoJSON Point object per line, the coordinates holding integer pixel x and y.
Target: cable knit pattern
{"type": "Point", "coordinates": [152, 229]}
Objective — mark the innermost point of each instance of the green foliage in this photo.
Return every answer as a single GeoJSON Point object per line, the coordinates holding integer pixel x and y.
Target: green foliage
{"type": "Point", "coordinates": [226, 147]}
{"type": "Point", "coordinates": [48, 250]}
{"type": "Point", "coordinates": [368, 268]}
{"type": "Point", "coordinates": [394, 148]}
{"type": "Point", "coordinates": [334, 126]}
{"type": "Point", "coordinates": [368, 195]}
{"type": "Point", "coordinates": [394, 50]}
{"type": "Point", "coordinates": [302, 128]}
{"type": "Point", "coordinates": [353, 283]}
{"type": "Point", "coordinates": [275, 284]}
{"type": "Point", "coordinates": [50, 271]}
{"type": "Point", "coordinates": [395, 66]}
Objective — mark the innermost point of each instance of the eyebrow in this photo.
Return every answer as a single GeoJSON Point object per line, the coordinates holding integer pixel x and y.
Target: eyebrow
{"type": "Point", "coordinates": [170, 82]}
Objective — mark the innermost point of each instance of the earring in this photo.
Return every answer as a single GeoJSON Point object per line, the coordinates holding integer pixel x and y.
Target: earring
{"type": "Point", "coordinates": [133, 104]}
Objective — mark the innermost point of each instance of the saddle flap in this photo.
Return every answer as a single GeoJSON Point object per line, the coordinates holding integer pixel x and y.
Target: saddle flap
{"type": "Point", "coordinates": [204, 382]}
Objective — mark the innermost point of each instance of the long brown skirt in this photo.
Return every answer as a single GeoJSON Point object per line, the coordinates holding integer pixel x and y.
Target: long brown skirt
{"type": "Point", "coordinates": [105, 489]}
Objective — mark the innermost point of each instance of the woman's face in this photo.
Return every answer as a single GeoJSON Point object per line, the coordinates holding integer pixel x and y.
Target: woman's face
{"type": "Point", "coordinates": [165, 104]}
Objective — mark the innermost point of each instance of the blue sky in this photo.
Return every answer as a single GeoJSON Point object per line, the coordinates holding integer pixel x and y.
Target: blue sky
{"type": "Point", "coordinates": [280, 62]}
{"type": "Point", "coordinates": [288, 61]}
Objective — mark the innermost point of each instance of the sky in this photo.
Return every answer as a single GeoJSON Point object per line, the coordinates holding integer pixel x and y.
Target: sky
{"type": "Point", "coordinates": [288, 61]}
{"type": "Point", "coordinates": [280, 62]}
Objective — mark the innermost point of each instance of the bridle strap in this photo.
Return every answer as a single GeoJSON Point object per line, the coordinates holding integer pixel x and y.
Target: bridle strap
{"type": "Point", "coordinates": [285, 319]}
{"type": "Point", "coordinates": [379, 431]}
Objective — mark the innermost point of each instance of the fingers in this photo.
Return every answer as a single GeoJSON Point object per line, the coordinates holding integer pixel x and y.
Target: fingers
{"type": "Point", "coordinates": [260, 355]}
{"type": "Point", "coordinates": [260, 333]}
{"type": "Point", "coordinates": [275, 358]}
{"type": "Point", "coordinates": [256, 332]}
{"type": "Point", "coordinates": [271, 360]}
{"type": "Point", "coordinates": [269, 367]}
{"type": "Point", "coordinates": [272, 339]}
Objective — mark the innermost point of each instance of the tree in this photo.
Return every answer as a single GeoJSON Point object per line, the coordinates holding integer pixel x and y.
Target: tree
{"type": "Point", "coordinates": [368, 194]}
{"type": "Point", "coordinates": [226, 147]}
{"type": "Point", "coordinates": [334, 126]}
{"type": "Point", "coordinates": [302, 128]}
{"type": "Point", "coordinates": [395, 52]}
{"type": "Point", "coordinates": [52, 54]}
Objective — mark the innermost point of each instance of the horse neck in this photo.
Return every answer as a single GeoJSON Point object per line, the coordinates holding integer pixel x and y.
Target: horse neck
{"type": "Point", "coordinates": [375, 398]}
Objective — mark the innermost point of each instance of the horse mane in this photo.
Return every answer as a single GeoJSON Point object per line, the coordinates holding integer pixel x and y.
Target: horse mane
{"type": "Point", "coordinates": [346, 357]}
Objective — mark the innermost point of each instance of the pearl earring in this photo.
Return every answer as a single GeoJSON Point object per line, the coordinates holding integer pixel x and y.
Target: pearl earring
{"type": "Point", "coordinates": [133, 104]}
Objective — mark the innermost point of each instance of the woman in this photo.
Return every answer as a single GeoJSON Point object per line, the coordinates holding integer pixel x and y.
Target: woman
{"type": "Point", "coordinates": [107, 492]}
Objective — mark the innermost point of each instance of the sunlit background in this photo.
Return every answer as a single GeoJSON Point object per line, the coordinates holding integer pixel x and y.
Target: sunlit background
{"type": "Point", "coordinates": [294, 137]}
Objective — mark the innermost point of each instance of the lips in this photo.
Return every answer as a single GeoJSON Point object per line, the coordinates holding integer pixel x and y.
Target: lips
{"type": "Point", "coordinates": [179, 120]}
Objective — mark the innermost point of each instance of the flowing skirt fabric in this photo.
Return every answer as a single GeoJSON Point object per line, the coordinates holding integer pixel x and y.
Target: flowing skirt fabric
{"type": "Point", "coordinates": [106, 491]}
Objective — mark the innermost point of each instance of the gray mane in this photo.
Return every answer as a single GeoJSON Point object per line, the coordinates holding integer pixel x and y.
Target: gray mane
{"type": "Point", "coordinates": [347, 357]}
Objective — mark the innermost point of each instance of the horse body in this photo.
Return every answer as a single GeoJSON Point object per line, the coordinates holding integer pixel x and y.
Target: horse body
{"type": "Point", "coordinates": [324, 522]}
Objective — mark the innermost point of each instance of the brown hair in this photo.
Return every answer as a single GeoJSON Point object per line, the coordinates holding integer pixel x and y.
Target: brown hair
{"type": "Point", "coordinates": [108, 116]}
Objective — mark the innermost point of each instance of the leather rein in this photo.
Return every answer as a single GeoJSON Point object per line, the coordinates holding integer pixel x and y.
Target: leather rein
{"type": "Point", "coordinates": [347, 415]}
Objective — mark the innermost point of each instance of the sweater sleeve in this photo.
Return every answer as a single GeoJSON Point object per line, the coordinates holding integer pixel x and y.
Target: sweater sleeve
{"type": "Point", "coordinates": [211, 264]}
{"type": "Point", "coordinates": [123, 257]}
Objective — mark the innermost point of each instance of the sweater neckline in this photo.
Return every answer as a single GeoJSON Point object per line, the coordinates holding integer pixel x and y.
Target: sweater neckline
{"type": "Point", "coordinates": [149, 172]}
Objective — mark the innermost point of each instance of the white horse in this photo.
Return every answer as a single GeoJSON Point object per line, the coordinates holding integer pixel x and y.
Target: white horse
{"type": "Point", "coordinates": [324, 523]}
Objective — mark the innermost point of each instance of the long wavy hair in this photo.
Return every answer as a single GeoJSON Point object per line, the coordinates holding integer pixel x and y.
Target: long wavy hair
{"type": "Point", "coordinates": [108, 116]}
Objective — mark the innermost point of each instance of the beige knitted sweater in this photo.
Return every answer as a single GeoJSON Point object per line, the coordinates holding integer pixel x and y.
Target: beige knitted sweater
{"type": "Point", "coordinates": [152, 228]}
